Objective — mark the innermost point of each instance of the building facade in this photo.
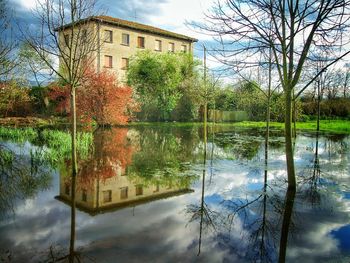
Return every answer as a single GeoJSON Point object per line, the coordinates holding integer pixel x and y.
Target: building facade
{"type": "Point", "coordinates": [118, 40]}
{"type": "Point", "coordinates": [95, 195]}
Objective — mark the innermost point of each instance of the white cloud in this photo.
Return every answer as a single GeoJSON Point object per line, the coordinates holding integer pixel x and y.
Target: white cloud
{"type": "Point", "coordinates": [27, 4]}
{"type": "Point", "coordinates": [175, 13]}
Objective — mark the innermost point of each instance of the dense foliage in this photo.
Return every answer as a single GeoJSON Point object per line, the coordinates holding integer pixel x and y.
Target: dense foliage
{"type": "Point", "coordinates": [160, 81]}
{"type": "Point", "coordinates": [329, 108]}
{"type": "Point", "coordinates": [100, 98]}
{"type": "Point", "coordinates": [104, 100]}
{"type": "Point", "coordinates": [14, 100]}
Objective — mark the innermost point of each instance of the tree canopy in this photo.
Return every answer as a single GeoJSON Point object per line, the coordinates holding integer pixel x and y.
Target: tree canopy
{"type": "Point", "coordinates": [159, 79]}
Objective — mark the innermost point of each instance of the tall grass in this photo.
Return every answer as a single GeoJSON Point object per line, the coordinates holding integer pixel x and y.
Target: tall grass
{"type": "Point", "coordinates": [18, 135]}
{"type": "Point", "coordinates": [57, 143]}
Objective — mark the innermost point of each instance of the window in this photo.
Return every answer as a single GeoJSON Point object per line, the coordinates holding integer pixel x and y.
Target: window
{"type": "Point", "coordinates": [125, 63]}
{"type": "Point", "coordinates": [66, 39]}
{"type": "Point", "coordinates": [84, 35]}
{"type": "Point", "coordinates": [124, 193]}
{"type": "Point", "coordinates": [139, 190]}
{"type": "Point", "coordinates": [171, 47]}
{"type": "Point", "coordinates": [140, 42]}
{"type": "Point", "coordinates": [84, 195]}
{"type": "Point", "coordinates": [67, 189]}
{"type": "Point", "coordinates": [158, 45]}
{"type": "Point", "coordinates": [108, 36]}
{"type": "Point", "coordinates": [125, 39]}
{"type": "Point", "coordinates": [108, 61]}
{"type": "Point", "coordinates": [107, 196]}
{"type": "Point", "coordinates": [183, 48]}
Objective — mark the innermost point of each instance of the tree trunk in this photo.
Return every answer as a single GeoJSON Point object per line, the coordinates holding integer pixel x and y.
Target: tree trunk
{"type": "Point", "coordinates": [74, 172]}
{"type": "Point", "coordinates": [294, 117]}
{"type": "Point", "coordinates": [318, 106]}
{"type": "Point", "coordinates": [287, 216]}
{"type": "Point", "coordinates": [289, 143]}
{"type": "Point", "coordinates": [267, 135]}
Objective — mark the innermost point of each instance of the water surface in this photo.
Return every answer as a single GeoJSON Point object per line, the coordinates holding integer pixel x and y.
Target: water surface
{"type": "Point", "coordinates": [160, 194]}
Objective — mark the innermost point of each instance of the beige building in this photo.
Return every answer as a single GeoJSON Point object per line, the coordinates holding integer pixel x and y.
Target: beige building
{"type": "Point", "coordinates": [117, 192]}
{"type": "Point", "coordinates": [118, 40]}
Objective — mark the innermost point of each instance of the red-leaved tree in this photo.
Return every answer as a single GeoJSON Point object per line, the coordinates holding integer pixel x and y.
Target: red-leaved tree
{"type": "Point", "coordinates": [59, 97]}
{"type": "Point", "coordinates": [100, 97]}
{"type": "Point", "coordinates": [104, 99]}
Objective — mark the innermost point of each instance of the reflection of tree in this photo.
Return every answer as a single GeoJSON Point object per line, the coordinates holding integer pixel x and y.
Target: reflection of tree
{"type": "Point", "coordinates": [311, 183]}
{"type": "Point", "coordinates": [164, 157]}
{"type": "Point", "coordinates": [314, 180]}
{"type": "Point", "coordinates": [113, 152]}
{"type": "Point", "coordinates": [57, 254]}
{"type": "Point", "coordinates": [260, 215]}
{"type": "Point", "coordinates": [202, 212]}
{"type": "Point", "coordinates": [21, 176]}
{"type": "Point", "coordinates": [287, 219]}
{"type": "Point", "coordinates": [238, 145]}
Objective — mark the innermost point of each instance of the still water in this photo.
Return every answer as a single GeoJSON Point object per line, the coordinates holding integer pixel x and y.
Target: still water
{"type": "Point", "coordinates": [161, 194]}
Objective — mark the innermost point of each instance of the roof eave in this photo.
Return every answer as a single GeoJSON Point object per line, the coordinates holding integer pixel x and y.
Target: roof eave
{"type": "Point", "coordinates": [97, 19]}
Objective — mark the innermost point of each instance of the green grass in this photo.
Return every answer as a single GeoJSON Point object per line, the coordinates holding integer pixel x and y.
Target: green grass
{"type": "Point", "coordinates": [58, 142]}
{"type": "Point", "coordinates": [335, 126]}
{"type": "Point", "coordinates": [18, 135]}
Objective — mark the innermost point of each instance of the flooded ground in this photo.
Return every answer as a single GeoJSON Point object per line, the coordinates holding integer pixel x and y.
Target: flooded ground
{"type": "Point", "coordinates": [157, 194]}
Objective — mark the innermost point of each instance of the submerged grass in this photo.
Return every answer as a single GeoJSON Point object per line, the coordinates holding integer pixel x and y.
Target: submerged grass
{"type": "Point", "coordinates": [58, 143]}
{"type": "Point", "coordinates": [18, 135]}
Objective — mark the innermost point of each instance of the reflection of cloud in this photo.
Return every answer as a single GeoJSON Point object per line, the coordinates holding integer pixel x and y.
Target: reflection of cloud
{"type": "Point", "coordinates": [160, 232]}
{"type": "Point", "coordinates": [313, 241]}
{"type": "Point", "coordinates": [162, 241]}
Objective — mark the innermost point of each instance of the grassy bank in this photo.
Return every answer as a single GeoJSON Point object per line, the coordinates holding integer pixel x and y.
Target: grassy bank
{"type": "Point", "coordinates": [336, 126]}
{"type": "Point", "coordinates": [32, 121]}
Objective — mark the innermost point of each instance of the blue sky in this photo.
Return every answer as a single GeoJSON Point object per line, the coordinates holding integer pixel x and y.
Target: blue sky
{"type": "Point", "coordinates": [167, 14]}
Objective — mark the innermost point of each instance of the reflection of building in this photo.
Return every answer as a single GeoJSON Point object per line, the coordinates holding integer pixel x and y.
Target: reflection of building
{"type": "Point", "coordinates": [113, 193]}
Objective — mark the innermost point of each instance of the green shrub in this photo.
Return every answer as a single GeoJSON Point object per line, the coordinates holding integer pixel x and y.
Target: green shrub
{"type": "Point", "coordinates": [329, 109]}
{"type": "Point", "coordinates": [39, 99]}
{"type": "Point", "coordinates": [14, 100]}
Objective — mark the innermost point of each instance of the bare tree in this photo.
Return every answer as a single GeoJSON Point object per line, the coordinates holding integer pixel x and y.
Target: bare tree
{"type": "Point", "coordinates": [346, 80]}
{"type": "Point", "coordinates": [7, 41]}
{"type": "Point", "coordinates": [243, 30]}
{"type": "Point", "coordinates": [31, 66]}
{"type": "Point", "coordinates": [67, 35]}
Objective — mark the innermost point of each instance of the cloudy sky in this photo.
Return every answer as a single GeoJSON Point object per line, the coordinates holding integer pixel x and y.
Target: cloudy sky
{"type": "Point", "coordinates": [167, 14]}
{"type": "Point", "coordinates": [172, 15]}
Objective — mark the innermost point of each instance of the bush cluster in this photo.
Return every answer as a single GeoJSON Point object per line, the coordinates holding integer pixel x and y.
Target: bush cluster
{"type": "Point", "coordinates": [329, 108]}
{"type": "Point", "coordinates": [15, 101]}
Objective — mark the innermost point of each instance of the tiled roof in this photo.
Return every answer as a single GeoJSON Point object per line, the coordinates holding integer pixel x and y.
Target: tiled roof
{"type": "Point", "coordinates": [137, 26]}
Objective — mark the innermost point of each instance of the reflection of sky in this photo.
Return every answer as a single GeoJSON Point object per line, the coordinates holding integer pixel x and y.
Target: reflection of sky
{"type": "Point", "coordinates": [342, 235]}
{"type": "Point", "coordinates": [160, 231]}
